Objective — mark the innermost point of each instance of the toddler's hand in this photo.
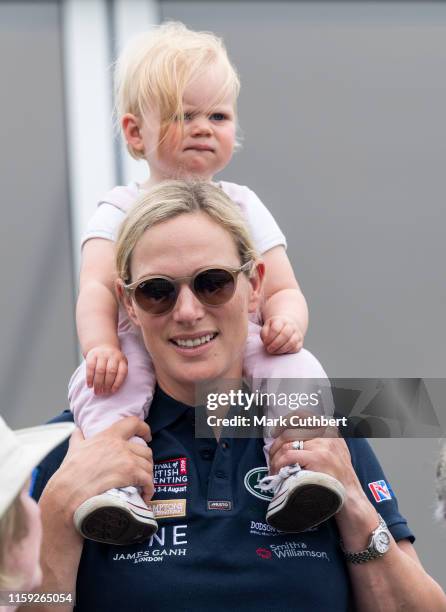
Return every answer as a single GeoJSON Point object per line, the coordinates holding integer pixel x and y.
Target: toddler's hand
{"type": "Point", "coordinates": [106, 368]}
{"type": "Point", "coordinates": [281, 334]}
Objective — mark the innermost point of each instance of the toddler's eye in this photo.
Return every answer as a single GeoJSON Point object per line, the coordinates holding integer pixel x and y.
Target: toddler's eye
{"type": "Point", "coordinates": [218, 117]}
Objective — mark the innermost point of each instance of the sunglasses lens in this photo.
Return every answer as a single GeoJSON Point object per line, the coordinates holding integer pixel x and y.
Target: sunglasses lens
{"type": "Point", "coordinates": [156, 295]}
{"type": "Point", "coordinates": [214, 287]}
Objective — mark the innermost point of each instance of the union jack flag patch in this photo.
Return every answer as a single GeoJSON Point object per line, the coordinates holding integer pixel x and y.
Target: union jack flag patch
{"type": "Point", "coordinates": [380, 491]}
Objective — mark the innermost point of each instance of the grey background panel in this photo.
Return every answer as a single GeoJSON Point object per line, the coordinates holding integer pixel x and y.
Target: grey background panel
{"type": "Point", "coordinates": [37, 332]}
{"type": "Point", "coordinates": [342, 113]}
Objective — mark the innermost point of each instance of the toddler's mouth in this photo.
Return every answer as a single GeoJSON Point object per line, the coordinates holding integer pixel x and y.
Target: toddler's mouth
{"type": "Point", "coordinates": [200, 148]}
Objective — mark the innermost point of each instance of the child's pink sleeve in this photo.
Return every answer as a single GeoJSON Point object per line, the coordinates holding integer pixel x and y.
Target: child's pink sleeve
{"type": "Point", "coordinates": [94, 413]}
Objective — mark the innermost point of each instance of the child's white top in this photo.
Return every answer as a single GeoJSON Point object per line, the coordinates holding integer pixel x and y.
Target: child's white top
{"type": "Point", "coordinates": [114, 206]}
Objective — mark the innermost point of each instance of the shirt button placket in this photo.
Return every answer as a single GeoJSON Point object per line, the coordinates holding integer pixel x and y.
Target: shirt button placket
{"type": "Point", "coordinates": [220, 485]}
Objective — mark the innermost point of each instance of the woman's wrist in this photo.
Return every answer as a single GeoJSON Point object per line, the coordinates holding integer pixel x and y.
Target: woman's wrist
{"type": "Point", "coordinates": [356, 521]}
{"type": "Point", "coordinates": [59, 500]}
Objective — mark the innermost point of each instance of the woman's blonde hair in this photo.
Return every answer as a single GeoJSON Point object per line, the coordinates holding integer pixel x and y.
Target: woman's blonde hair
{"type": "Point", "coordinates": [13, 528]}
{"type": "Point", "coordinates": [172, 198]}
{"type": "Point", "coordinates": [156, 66]}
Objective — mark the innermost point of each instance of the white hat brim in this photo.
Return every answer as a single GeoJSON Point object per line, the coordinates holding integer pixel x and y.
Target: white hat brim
{"type": "Point", "coordinates": [34, 444]}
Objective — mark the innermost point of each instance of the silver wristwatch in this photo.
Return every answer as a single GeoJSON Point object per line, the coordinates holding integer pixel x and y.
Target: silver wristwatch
{"type": "Point", "coordinates": [378, 545]}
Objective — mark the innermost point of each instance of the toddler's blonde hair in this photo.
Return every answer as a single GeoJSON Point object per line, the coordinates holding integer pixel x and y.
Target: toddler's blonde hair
{"type": "Point", "coordinates": [156, 66]}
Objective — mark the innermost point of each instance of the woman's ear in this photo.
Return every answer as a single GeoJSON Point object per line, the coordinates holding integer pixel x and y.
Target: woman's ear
{"type": "Point", "coordinates": [131, 128]}
{"type": "Point", "coordinates": [128, 303]}
{"type": "Point", "coordinates": [256, 281]}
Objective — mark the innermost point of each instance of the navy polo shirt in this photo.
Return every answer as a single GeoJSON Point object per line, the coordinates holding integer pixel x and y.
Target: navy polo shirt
{"type": "Point", "coordinates": [214, 549]}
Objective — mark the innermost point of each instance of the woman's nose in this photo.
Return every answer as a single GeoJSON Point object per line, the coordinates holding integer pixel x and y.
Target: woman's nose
{"type": "Point", "coordinates": [188, 307]}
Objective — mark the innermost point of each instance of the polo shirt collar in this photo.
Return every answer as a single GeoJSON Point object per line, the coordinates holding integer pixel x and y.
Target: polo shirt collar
{"type": "Point", "coordinates": [165, 410]}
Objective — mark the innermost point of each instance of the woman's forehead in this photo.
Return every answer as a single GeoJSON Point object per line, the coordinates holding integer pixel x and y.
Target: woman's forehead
{"type": "Point", "coordinates": [182, 245]}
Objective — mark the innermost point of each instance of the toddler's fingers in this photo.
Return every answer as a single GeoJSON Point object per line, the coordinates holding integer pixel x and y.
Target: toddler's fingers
{"type": "Point", "coordinates": [264, 333]}
{"type": "Point", "coordinates": [293, 345]}
{"type": "Point", "coordinates": [120, 376]}
{"type": "Point", "coordinates": [99, 375]}
{"type": "Point", "coordinates": [269, 334]}
{"type": "Point", "coordinates": [90, 364]}
{"type": "Point", "coordinates": [276, 325]}
{"type": "Point", "coordinates": [279, 341]}
{"type": "Point", "coordinates": [110, 374]}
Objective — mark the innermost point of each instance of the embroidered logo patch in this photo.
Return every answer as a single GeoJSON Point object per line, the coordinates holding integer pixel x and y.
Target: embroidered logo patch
{"type": "Point", "coordinates": [170, 475]}
{"type": "Point", "coordinates": [251, 481]}
{"type": "Point", "coordinates": [219, 505]}
{"type": "Point", "coordinates": [380, 491]}
{"type": "Point", "coordinates": [167, 508]}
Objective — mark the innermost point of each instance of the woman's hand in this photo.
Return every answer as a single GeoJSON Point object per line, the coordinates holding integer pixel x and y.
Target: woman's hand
{"type": "Point", "coordinates": [92, 466]}
{"type": "Point", "coordinates": [106, 368]}
{"type": "Point", "coordinates": [107, 460]}
{"type": "Point", "coordinates": [328, 454]}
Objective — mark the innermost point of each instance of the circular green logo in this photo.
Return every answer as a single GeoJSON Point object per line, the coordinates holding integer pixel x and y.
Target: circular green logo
{"type": "Point", "coordinates": [252, 480]}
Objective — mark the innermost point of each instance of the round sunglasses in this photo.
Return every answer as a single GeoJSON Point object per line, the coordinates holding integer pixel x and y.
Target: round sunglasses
{"type": "Point", "coordinates": [212, 286]}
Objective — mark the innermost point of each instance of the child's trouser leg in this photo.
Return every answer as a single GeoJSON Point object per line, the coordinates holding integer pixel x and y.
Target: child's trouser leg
{"type": "Point", "coordinates": [301, 498]}
{"type": "Point", "coordinates": [94, 413]}
{"type": "Point", "coordinates": [118, 516]}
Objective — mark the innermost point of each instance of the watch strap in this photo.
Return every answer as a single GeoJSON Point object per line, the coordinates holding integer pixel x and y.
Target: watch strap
{"type": "Point", "coordinates": [370, 552]}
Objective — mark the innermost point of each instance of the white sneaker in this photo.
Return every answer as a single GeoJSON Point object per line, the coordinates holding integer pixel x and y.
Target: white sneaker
{"type": "Point", "coordinates": [302, 499]}
{"type": "Point", "coordinates": [118, 516]}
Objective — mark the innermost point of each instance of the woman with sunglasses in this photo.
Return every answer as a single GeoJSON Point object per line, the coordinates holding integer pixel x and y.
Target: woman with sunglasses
{"type": "Point", "coordinates": [213, 549]}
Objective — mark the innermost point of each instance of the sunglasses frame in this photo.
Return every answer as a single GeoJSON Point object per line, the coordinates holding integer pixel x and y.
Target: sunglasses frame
{"type": "Point", "coordinates": [176, 282]}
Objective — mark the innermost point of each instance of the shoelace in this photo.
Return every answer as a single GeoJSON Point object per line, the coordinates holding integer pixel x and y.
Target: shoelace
{"type": "Point", "coordinates": [272, 483]}
{"type": "Point", "coordinates": [123, 492]}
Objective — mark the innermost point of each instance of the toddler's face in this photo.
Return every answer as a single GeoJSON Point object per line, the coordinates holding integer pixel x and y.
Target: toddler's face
{"type": "Point", "coordinates": [206, 143]}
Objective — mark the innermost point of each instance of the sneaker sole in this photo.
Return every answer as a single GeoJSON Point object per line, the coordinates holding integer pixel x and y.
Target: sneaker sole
{"type": "Point", "coordinates": [112, 525]}
{"type": "Point", "coordinates": [309, 504]}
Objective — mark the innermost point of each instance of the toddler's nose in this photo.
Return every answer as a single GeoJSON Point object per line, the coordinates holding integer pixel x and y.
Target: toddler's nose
{"type": "Point", "coordinates": [201, 125]}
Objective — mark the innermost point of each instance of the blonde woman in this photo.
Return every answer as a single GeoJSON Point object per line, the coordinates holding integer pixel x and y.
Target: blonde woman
{"type": "Point", "coordinates": [213, 549]}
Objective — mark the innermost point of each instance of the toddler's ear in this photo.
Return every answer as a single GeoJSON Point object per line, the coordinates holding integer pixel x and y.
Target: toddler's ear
{"type": "Point", "coordinates": [131, 129]}
{"type": "Point", "coordinates": [128, 303]}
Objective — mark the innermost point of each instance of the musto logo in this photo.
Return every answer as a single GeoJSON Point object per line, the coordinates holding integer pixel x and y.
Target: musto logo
{"type": "Point", "coordinates": [264, 553]}
{"type": "Point", "coordinates": [252, 479]}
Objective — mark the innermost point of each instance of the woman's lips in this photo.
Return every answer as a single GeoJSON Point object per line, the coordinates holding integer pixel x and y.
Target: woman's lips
{"type": "Point", "coordinates": [193, 345]}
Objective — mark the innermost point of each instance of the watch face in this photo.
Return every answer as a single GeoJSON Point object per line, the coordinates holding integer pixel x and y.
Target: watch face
{"type": "Point", "coordinates": [382, 542]}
